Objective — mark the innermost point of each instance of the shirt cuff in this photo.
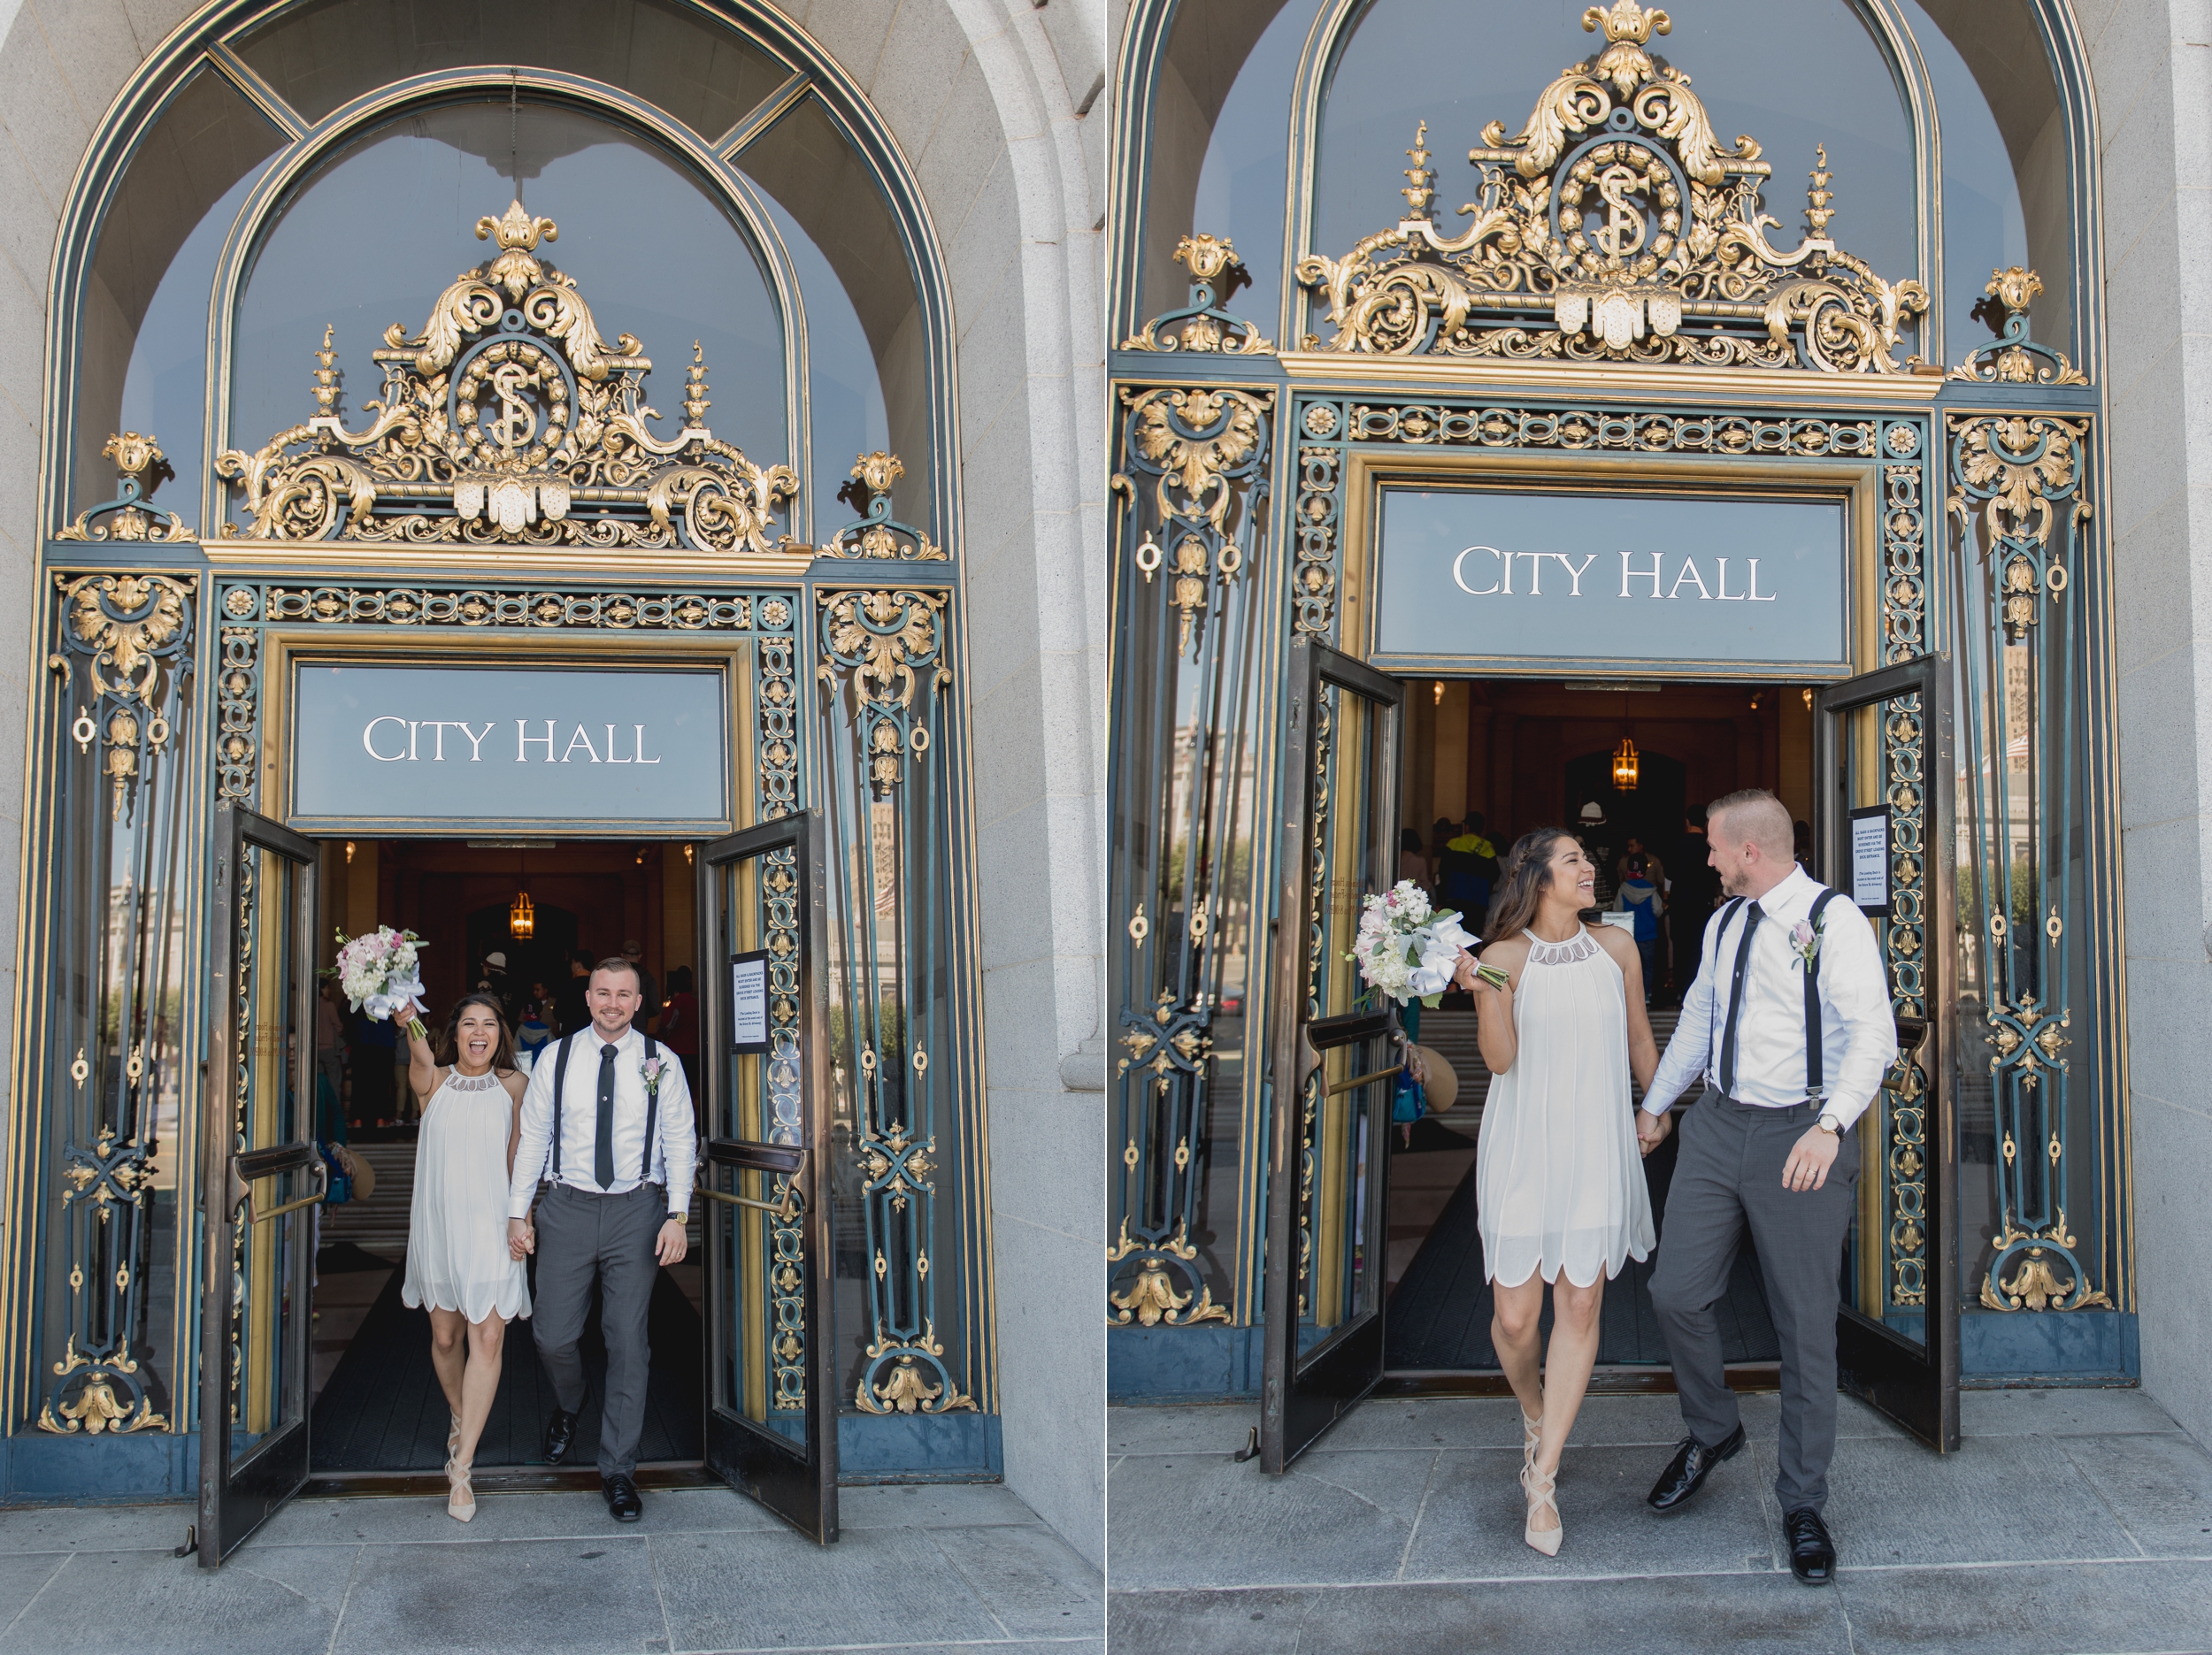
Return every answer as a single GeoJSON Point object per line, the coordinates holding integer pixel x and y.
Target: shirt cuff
{"type": "Point", "coordinates": [519, 1209]}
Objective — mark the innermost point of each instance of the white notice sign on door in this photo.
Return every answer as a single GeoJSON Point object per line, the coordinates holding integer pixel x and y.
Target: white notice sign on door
{"type": "Point", "coordinates": [1870, 859]}
{"type": "Point", "coordinates": [748, 1001]}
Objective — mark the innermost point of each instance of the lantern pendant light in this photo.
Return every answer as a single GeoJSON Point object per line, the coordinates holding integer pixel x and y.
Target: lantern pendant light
{"type": "Point", "coordinates": [1624, 767]}
{"type": "Point", "coordinates": [522, 915]}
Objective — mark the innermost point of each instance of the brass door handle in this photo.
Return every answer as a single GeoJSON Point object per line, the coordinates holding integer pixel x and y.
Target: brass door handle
{"type": "Point", "coordinates": [245, 1194]}
{"type": "Point", "coordinates": [786, 1208]}
{"type": "Point", "coordinates": [1358, 1081]}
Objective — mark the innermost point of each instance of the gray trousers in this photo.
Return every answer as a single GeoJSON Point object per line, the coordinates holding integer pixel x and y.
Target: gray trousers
{"type": "Point", "coordinates": [581, 1237]}
{"type": "Point", "coordinates": [1728, 1176]}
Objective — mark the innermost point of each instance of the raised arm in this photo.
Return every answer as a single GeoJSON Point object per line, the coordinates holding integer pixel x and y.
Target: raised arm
{"type": "Point", "coordinates": [422, 1065]}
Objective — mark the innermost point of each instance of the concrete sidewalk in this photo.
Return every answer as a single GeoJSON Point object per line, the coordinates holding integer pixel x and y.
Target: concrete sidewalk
{"type": "Point", "coordinates": [2070, 1522]}
{"type": "Point", "coordinates": [940, 1568]}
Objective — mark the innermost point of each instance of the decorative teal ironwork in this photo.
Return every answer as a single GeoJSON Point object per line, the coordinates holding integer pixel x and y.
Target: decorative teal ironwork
{"type": "Point", "coordinates": [884, 668]}
{"type": "Point", "coordinates": [1195, 492]}
{"type": "Point", "coordinates": [877, 534]}
{"type": "Point", "coordinates": [139, 461]}
{"type": "Point", "coordinates": [2012, 357]}
{"type": "Point", "coordinates": [2016, 495]}
{"type": "Point", "coordinates": [1203, 326]}
{"type": "Point", "coordinates": [113, 988]}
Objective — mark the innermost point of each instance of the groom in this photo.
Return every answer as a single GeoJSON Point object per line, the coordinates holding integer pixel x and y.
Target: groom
{"type": "Point", "coordinates": [614, 1111]}
{"type": "Point", "coordinates": [1790, 1019]}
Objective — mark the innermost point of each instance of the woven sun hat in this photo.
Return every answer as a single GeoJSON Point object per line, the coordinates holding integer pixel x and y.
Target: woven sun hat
{"type": "Point", "coordinates": [1440, 1081]}
{"type": "Point", "coordinates": [1593, 813]}
{"type": "Point", "coordinates": [497, 961]}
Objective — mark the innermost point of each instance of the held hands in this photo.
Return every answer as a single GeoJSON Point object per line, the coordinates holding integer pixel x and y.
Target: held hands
{"type": "Point", "coordinates": [1810, 1157]}
{"type": "Point", "coordinates": [1652, 1130]}
{"type": "Point", "coordinates": [671, 1244]}
{"type": "Point", "coordinates": [522, 1239]}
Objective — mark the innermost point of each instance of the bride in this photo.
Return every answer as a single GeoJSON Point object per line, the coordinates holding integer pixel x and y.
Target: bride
{"type": "Point", "coordinates": [458, 1260]}
{"type": "Point", "coordinates": [1560, 1195]}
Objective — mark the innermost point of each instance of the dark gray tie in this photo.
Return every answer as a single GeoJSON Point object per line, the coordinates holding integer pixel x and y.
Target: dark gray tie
{"type": "Point", "coordinates": [1751, 918]}
{"type": "Point", "coordinates": [602, 1158]}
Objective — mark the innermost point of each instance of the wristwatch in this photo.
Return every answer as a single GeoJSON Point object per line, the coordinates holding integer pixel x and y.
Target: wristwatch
{"type": "Point", "coordinates": [1829, 1124]}
{"type": "Point", "coordinates": [679, 1218]}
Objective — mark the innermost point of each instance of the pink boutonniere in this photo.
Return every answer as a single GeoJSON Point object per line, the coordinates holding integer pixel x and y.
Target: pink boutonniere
{"type": "Point", "coordinates": [1805, 941]}
{"type": "Point", "coordinates": [652, 1067]}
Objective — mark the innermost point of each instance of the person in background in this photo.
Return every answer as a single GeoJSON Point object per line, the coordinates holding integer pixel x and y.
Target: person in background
{"type": "Point", "coordinates": [1468, 865]}
{"type": "Point", "coordinates": [1801, 845]}
{"type": "Point", "coordinates": [679, 1028]}
{"type": "Point", "coordinates": [1695, 893]}
{"type": "Point", "coordinates": [1655, 870]}
{"type": "Point", "coordinates": [1638, 897]}
{"type": "Point", "coordinates": [1598, 838]}
{"type": "Point", "coordinates": [635, 956]}
{"type": "Point", "coordinates": [373, 1043]}
{"type": "Point", "coordinates": [1413, 864]}
{"type": "Point", "coordinates": [570, 1011]}
{"type": "Point", "coordinates": [330, 1044]}
{"type": "Point", "coordinates": [543, 999]}
{"type": "Point", "coordinates": [533, 1033]}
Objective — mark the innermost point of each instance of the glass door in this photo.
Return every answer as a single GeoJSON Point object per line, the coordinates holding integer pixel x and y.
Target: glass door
{"type": "Point", "coordinates": [1333, 1054]}
{"type": "Point", "coordinates": [772, 1410]}
{"type": "Point", "coordinates": [1886, 837]}
{"type": "Point", "coordinates": [264, 1178]}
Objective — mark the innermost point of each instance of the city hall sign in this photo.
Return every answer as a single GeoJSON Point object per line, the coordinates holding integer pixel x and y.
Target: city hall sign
{"type": "Point", "coordinates": [1631, 580]}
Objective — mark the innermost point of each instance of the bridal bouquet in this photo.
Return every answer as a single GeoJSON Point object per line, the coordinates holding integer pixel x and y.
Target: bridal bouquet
{"type": "Point", "coordinates": [378, 972]}
{"type": "Point", "coordinates": [1407, 950]}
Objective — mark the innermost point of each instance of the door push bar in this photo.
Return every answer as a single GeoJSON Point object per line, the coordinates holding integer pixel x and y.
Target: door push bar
{"type": "Point", "coordinates": [776, 1160]}
{"type": "Point", "coordinates": [249, 1168]}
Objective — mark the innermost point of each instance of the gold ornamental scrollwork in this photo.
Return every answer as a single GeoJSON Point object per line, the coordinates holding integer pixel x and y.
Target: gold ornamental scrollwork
{"type": "Point", "coordinates": [510, 420]}
{"type": "Point", "coordinates": [1615, 225]}
{"type": "Point", "coordinates": [139, 463]}
{"type": "Point", "coordinates": [1203, 326]}
{"type": "Point", "coordinates": [134, 632]}
{"type": "Point", "coordinates": [1152, 1297]}
{"type": "Point", "coordinates": [884, 644]}
{"type": "Point", "coordinates": [2012, 357]}
{"type": "Point", "coordinates": [877, 534]}
{"type": "Point", "coordinates": [2016, 476]}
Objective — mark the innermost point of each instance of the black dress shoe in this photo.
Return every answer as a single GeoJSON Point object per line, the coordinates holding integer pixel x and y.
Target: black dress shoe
{"type": "Point", "coordinates": [622, 1499]}
{"type": "Point", "coordinates": [560, 1435]}
{"type": "Point", "coordinates": [1812, 1553]}
{"type": "Point", "coordinates": [1686, 1471]}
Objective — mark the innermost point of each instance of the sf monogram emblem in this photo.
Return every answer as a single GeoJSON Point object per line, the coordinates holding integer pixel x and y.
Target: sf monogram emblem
{"type": "Point", "coordinates": [517, 421]}
{"type": "Point", "coordinates": [1621, 234]}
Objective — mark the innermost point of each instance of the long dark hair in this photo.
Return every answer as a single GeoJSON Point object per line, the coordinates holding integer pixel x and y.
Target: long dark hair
{"type": "Point", "coordinates": [448, 1050]}
{"type": "Point", "coordinates": [1527, 872]}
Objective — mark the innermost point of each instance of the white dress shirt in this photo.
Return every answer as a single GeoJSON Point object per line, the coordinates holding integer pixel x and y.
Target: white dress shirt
{"type": "Point", "coordinates": [672, 1159]}
{"type": "Point", "coordinates": [1858, 1032]}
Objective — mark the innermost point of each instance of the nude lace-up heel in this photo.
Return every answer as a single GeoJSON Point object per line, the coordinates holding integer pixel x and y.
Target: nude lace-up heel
{"type": "Point", "coordinates": [453, 1439]}
{"type": "Point", "coordinates": [1539, 1489]}
{"type": "Point", "coordinates": [1531, 1437]}
{"type": "Point", "coordinates": [461, 1502]}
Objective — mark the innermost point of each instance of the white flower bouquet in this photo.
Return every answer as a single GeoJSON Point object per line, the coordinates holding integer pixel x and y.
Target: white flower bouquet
{"type": "Point", "coordinates": [1408, 950]}
{"type": "Point", "coordinates": [378, 972]}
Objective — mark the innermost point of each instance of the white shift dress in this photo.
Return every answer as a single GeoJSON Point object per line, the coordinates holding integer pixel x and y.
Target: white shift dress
{"type": "Point", "coordinates": [456, 1240]}
{"type": "Point", "coordinates": [1558, 1179]}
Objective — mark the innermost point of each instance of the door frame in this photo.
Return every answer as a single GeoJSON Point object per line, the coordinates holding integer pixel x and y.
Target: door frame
{"type": "Point", "coordinates": [1298, 1401]}
{"type": "Point", "coordinates": [801, 1488]}
{"type": "Point", "coordinates": [235, 1499]}
{"type": "Point", "coordinates": [1919, 1391]}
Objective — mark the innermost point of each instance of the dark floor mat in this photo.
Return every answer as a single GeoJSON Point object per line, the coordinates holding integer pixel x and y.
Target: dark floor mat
{"type": "Point", "coordinates": [1428, 1135]}
{"type": "Point", "coordinates": [383, 1411]}
{"type": "Point", "coordinates": [1440, 1315]}
{"type": "Point", "coordinates": [343, 1258]}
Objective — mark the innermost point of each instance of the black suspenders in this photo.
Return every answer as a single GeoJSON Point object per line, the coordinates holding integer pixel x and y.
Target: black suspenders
{"type": "Point", "coordinates": [560, 1074]}
{"type": "Point", "coordinates": [1815, 1088]}
{"type": "Point", "coordinates": [652, 1107]}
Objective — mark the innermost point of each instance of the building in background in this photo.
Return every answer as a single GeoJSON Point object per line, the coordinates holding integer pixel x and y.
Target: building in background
{"type": "Point", "coordinates": [1786, 396]}
{"type": "Point", "coordinates": [703, 566]}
